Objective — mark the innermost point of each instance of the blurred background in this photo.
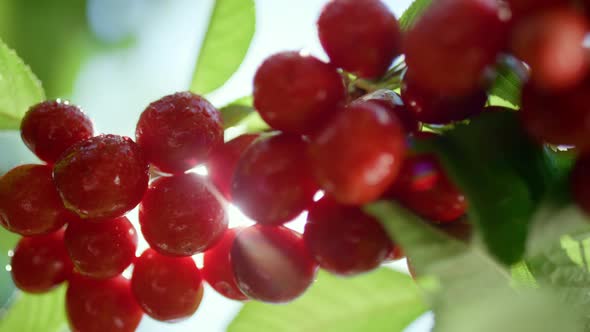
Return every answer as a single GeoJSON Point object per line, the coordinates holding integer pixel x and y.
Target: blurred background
{"type": "Point", "coordinates": [113, 57]}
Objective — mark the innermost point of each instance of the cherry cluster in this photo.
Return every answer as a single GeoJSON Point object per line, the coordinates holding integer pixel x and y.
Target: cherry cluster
{"type": "Point", "coordinates": [325, 138]}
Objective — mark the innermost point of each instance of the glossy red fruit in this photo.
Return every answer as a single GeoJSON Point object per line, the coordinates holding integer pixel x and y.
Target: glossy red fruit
{"type": "Point", "coordinates": [101, 305]}
{"type": "Point", "coordinates": [343, 239]}
{"type": "Point", "coordinates": [272, 263]}
{"type": "Point", "coordinates": [29, 203]}
{"type": "Point", "coordinates": [297, 93]}
{"type": "Point", "coordinates": [179, 131]}
{"type": "Point", "coordinates": [273, 183]}
{"type": "Point", "coordinates": [103, 177]}
{"type": "Point", "coordinates": [559, 118]}
{"type": "Point", "coordinates": [523, 9]}
{"type": "Point", "coordinates": [580, 182]}
{"type": "Point", "coordinates": [218, 270]}
{"type": "Point", "coordinates": [393, 103]}
{"type": "Point", "coordinates": [167, 288]}
{"type": "Point", "coordinates": [40, 263]}
{"type": "Point", "coordinates": [424, 188]}
{"type": "Point", "coordinates": [180, 216]}
{"type": "Point", "coordinates": [435, 108]}
{"type": "Point", "coordinates": [50, 127]}
{"type": "Point", "coordinates": [223, 162]}
{"type": "Point", "coordinates": [101, 250]}
{"type": "Point", "coordinates": [552, 44]}
{"type": "Point", "coordinates": [362, 37]}
{"type": "Point", "coordinates": [359, 154]}
{"type": "Point", "coordinates": [448, 58]}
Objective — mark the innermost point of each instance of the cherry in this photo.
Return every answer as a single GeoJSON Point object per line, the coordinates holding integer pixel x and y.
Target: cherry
{"type": "Point", "coordinates": [103, 177]}
{"type": "Point", "coordinates": [344, 240]}
{"type": "Point", "coordinates": [272, 264]}
{"type": "Point", "coordinates": [460, 229]}
{"type": "Point", "coordinates": [358, 155]}
{"type": "Point", "coordinates": [297, 93]}
{"type": "Point", "coordinates": [40, 263]}
{"type": "Point", "coordinates": [101, 305]}
{"type": "Point", "coordinates": [177, 132]}
{"type": "Point", "coordinates": [50, 127]}
{"type": "Point", "coordinates": [217, 267]}
{"type": "Point", "coordinates": [167, 288]}
{"type": "Point", "coordinates": [551, 43]}
{"type": "Point", "coordinates": [448, 58]}
{"type": "Point", "coordinates": [432, 107]}
{"type": "Point", "coordinates": [560, 117]}
{"type": "Point", "coordinates": [580, 182]}
{"type": "Point", "coordinates": [396, 253]}
{"type": "Point", "coordinates": [522, 9]}
{"type": "Point", "coordinates": [223, 162]}
{"type": "Point", "coordinates": [393, 103]}
{"type": "Point", "coordinates": [29, 203]}
{"type": "Point", "coordinates": [273, 183]}
{"type": "Point", "coordinates": [362, 37]}
{"type": "Point", "coordinates": [180, 216]}
{"type": "Point", "coordinates": [101, 250]}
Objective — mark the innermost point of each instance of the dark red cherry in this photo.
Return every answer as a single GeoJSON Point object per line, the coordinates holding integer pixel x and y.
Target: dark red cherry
{"type": "Point", "coordinates": [580, 183]}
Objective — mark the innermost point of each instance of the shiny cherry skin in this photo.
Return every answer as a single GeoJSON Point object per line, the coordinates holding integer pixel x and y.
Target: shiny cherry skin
{"type": "Point", "coordinates": [101, 305]}
{"type": "Point", "coordinates": [523, 9]}
{"type": "Point", "coordinates": [272, 263]}
{"type": "Point", "coordinates": [223, 162]}
{"type": "Point", "coordinates": [393, 103]}
{"type": "Point", "coordinates": [101, 249]}
{"type": "Point", "coordinates": [343, 239]}
{"type": "Point", "coordinates": [50, 127]}
{"type": "Point", "coordinates": [361, 37]}
{"type": "Point", "coordinates": [179, 131]}
{"type": "Point", "coordinates": [40, 263]}
{"type": "Point", "coordinates": [29, 203]}
{"type": "Point", "coordinates": [102, 178]}
{"type": "Point", "coordinates": [449, 58]}
{"type": "Point", "coordinates": [273, 183]}
{"type": "Point", "coordinates": [181, 216]}
{"type": "Point", "coordinates": [218, 270]}
{"type": "Point", "coordinates": [167, 288]}
{"type": "Point", "coordinates": [358, 155]}
{"type": "Point", "coordinates": [297, 93]}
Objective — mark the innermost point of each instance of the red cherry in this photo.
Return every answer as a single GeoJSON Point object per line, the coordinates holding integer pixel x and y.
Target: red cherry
{"type": "Point", "coordinates": [101, 250]}
{"type": "Point", "coordinates": [580, 182]}
{"type": "Point", "coordinates": [50, 127]}
{"type": "Point", "coordinates": [431, 107]}
{"type": "Point", "coordinates": [552, 44]}
{"type": "Point", "coordinates": [359, 154]}
{"type": "Point", "coordinates": [167, 288]}
{"type": "Point", "coordinates": [273, 183]}
{"type": "Point", "coordinates": [448, 58]}
{"type": "Point", "coordinates": [101, 305]}
{"type": "Point", "coordinates": [344, 240]}
{"type": "Point", "coordinates": [40, 263]}
{"type": "Point", "coordinates": [393, 103]}
{"type": "Point", "coordinates": [180, 216]}
{"type": "Point", "coordinates": [217, 267]}
{"type": "Point", "coordinates": [272, 263]}
{"type": "Point", "coordinates": [29, 203]}
{"type": "Point", "coordinates": [179, 131]}
{"type": "Point", "coordinates": [223, 162]}
{"type": "Point", "coordinates": [297, 93]}
{"type": "Point", "coordinates": [103, 177]}
{"type": "Point", "coordinates": [522, 9]}
{"type": "Point", "coordinates": [362, 37]}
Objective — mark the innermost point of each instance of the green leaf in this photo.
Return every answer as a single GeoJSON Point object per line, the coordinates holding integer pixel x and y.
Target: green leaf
{"type": "Point", "coordinates": [413, 12]}
{"type": "Point", "coordinates": [228, 38]}
{"type": "Point", "coordinates": [36, 313]}
{"type": "Point", "coordinates": [471, 292]}
{"type": "Point", "coordinates": [510, 76]}
{"type": "Point", "coordinates": [19, 88]}
{"type": "Point", "coordinates": [383, 300]}
{"type": "Point", "coordinates": [233, 113]}
{"type": "Point", "coordinates": [503, 174]}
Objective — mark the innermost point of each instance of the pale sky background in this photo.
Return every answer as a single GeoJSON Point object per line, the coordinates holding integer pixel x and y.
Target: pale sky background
{"type": "Point", "coordinates": [114, 87]}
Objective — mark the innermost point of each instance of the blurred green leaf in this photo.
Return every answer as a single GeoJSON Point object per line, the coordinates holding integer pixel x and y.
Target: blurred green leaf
{"type": "Point", "coordinates": [228, 38]}
{"type": "Point", "coordinates": [236, 111]}
{"type": "Point", "coordinates": [383, 300]}
{"type": "Point", "coordinates": [413, 12]}
{"type": "Point", "coordinates": [510, 75]}
{"type": "Point", "coordinates": [36, 313]}
{"type": "Point", "coordinates": [7, 289]}
{"type": "Point", "coordinates": [19, 88]}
